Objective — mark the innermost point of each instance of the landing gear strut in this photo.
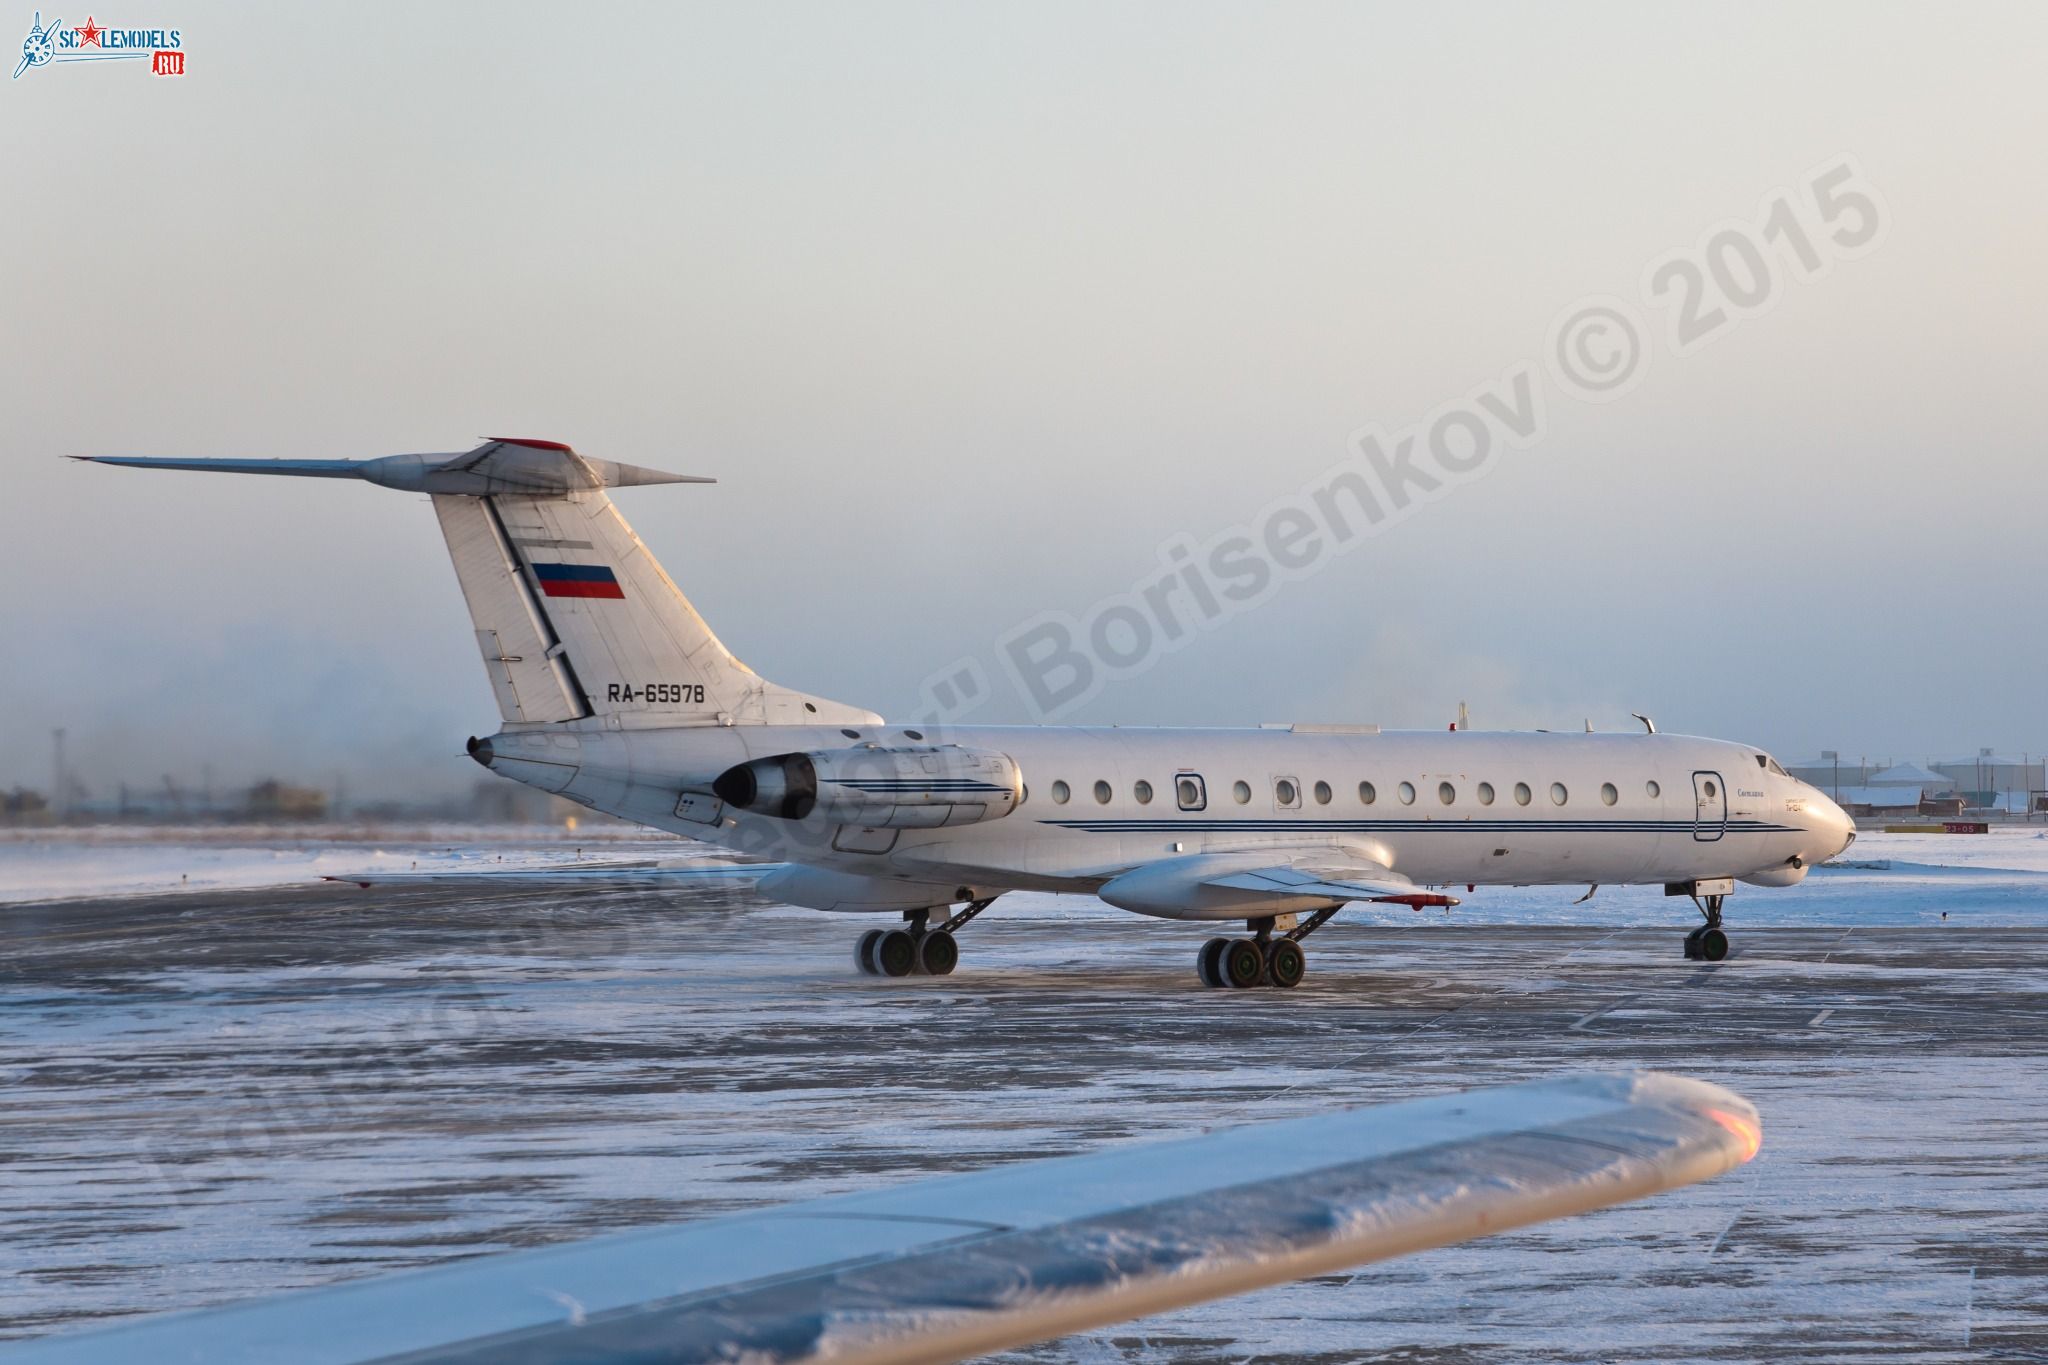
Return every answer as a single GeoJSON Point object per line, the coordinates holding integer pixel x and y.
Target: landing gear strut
{"type": "Point", "coordinates": [1261, 960]}
{"type": "Point", "coordinates": [1709, 942]}
{"type": "Point", "coordinates": [919, 947]}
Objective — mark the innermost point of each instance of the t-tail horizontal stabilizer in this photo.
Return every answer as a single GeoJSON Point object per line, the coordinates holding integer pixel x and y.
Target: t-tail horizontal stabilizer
{"type": "Point", "coordinates": [501, 465]}
{"type": "Point", "coordinates": [575, 620]}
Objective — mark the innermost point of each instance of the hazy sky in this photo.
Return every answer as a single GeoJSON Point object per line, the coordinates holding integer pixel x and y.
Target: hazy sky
{"type": "Point", "coordinates": [972, 307]}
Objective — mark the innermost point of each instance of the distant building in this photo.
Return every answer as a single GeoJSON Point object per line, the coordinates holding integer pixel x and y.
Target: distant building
{"type": "Point", "coordinates": [1924, 780]}
{"type": "Point", "coordinates": [1987, 778]}
{"type": "Point", "coordinates": [1832, 772]}
{"type": "Point", "coordinates": [1860, 801]}
{"type": "Point", "coordinates": [24, 807]}
{"type": "Point", "coordinates": [274, 800]}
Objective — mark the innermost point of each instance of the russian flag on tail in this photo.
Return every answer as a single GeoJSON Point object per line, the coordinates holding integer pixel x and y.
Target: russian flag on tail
{"type": "Point", "coordinates": [578, 580]}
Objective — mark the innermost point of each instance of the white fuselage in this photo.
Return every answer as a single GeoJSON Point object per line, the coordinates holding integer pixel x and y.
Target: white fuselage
{"type": "Point", "coordinates": [1441, 808]}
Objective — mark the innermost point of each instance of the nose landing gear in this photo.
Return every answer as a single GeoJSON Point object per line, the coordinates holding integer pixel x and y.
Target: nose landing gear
{"type": "Point", "coordinates": [1709, 942]}
{"type": "Point", "coordinates": [919, 948]}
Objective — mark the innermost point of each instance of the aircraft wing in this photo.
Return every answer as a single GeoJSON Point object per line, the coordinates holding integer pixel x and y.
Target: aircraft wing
{"type": "Point", "coordinates": [1338, 880]}
{"type": "Point", "coordinates": [1227, 885]}
{"type": "Point", "coordinates": [708, 875]}
{"type": "Point", "coordinates": [939, 1270]}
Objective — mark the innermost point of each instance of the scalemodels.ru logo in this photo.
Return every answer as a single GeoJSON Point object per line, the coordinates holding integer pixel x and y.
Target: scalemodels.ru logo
{"type": "Point", "coordinates": [54, 45]}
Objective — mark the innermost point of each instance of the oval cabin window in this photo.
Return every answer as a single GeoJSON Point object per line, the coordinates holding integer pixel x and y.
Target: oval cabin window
{"type": "Point", "coordinates": [1060, 793]}
{"type": "Point", "coordinates": [1608, 795]}
{"type": "Point", "coordinates": [1558, 795]}
{"type": "Point", "coordinates": [1407, 793]}
{"type": "Point", "coordinates": [1143, 791]}
{"type": "Point", "coordinates": [1521, 793]}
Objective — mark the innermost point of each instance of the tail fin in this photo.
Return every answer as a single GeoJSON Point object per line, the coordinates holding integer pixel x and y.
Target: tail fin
{"type": "Point", "coordinates": [574, 617]}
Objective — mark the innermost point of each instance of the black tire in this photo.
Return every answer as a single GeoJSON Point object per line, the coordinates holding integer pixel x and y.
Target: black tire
{"type": "Point", "coordinates": [1713, 945]}
{"type": "Point", "coordinates": [1692, 945]}
{"type": "Point", "coordinates": [1242, 963]}
{"type": "Point", "coordinates": [1208, 962]}
{"type": "Point", "coordinates": [1286, 963]}
{"type": "Point", "coordinates": [864, 950]}
{"type": "Point", "coordinates": [895, 953]}
{"type": "Point", "coordinates": [938, 953]}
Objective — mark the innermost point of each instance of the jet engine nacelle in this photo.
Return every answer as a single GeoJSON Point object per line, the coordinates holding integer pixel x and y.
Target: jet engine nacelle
{"type": "Point", "coordinates": [908, 788]}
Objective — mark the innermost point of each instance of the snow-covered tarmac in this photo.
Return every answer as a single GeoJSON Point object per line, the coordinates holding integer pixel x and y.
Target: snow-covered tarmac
{"type": "Point", "coordinates": [227, 1092]}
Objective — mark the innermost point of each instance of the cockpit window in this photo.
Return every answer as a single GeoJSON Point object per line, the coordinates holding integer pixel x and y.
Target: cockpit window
{"type": "Point", "coordinates": [1770, 765]}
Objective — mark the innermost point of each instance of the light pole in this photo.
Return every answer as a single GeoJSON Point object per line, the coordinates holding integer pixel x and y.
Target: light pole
{"type": "Point", "coordinates": [60, 801]}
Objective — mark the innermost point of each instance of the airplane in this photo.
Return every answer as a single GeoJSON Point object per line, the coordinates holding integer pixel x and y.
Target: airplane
{"type": "Point", "coordinates": [943, 1269]}
{"type": "Point", "coordinates": [614, 693]}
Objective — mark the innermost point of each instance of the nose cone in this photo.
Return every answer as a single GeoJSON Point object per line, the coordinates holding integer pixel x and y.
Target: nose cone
{"type": "Point", "coordinates": [1832, 828]}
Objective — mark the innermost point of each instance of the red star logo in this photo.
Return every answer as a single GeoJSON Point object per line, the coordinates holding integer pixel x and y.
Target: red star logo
{"type": "Point", "coordinates": [89, 36]}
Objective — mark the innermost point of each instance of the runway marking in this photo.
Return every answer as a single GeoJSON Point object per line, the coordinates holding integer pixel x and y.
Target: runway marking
{"type": "Point", "coordinates": [1837, 943]}
{"type": "Point", "coordinates": [1579, 1025]}
{"type": "Point", "coordinates": [1726, 1229]}
{"type": "Point", "coordinates": [1819, 1019]}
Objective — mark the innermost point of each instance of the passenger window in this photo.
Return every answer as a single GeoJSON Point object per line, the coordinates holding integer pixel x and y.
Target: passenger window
{"type": "Point", "coordinates": [1407, 793]}
{"type": "Point", "coordinates": [1190, 792]}
{"type": "Point", "coordinates": [1286, 795]}
{"type": "Point", "coordinates": [1521, 793]}
{"type": "Point", "coordinates": [1446, 793]}
{"type": "Point", "coordinates": [1322, 793]}
{"type": "Point", "coordinates": [1060, 793]}
{"type": "Point", "coordinates": [1608, 795]}
{"type": "Point", "coordinates": [1558, 795]}
{"type": "Point", "coordinates": [1652, 790]}
{"type": "Point", "coordinates": [1143, 791]}
{"type": "Point", "coordinates": [1485, 790]}
{"type": "Point", "coordinates": [1102, 793]}
{"type": "Point", "coordinates": [1367, 794]}
{"type": "Point", "coordinates": [1241, 792]}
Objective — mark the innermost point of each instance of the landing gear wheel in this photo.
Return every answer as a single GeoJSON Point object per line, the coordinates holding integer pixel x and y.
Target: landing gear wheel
{"type": "Point", "coordinates": [1286, 963]}
{"type": "Point", "coordinates": [1242, 963]}
{"type": "Point", "coordinates": [864, 948]}
{"type": "Point", "coordinates": [1209, 962]}
{"type": "Point", "coordinates": [894, 953]}
{"type": "Point", "coordinates": [938, 953]}
{"type": "Point", "coordinates": [1709, 942]}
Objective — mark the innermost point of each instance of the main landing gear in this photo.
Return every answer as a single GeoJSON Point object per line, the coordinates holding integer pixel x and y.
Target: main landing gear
{"type": "Point", "coordinates": [1261, 960]}
{"type": "Point", "coordinates": [919, 947]}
